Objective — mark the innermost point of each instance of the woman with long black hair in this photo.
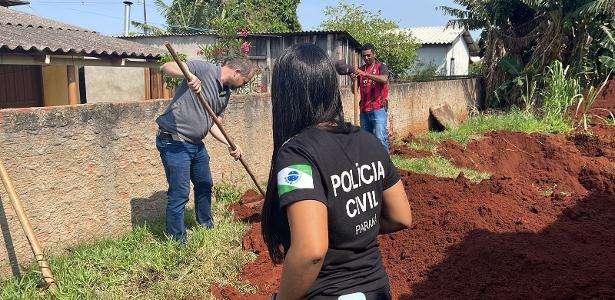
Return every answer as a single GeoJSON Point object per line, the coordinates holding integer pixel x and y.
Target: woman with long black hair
{"type": "Point", "coordinates": [332, 188]}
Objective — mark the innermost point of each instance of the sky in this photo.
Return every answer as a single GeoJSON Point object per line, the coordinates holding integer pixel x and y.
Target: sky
{"type": "Point", "coordinates": [107, 16]}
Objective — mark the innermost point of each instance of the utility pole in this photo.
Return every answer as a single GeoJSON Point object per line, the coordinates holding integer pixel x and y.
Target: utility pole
{"type": "Point", "coordinates": [144, 18]}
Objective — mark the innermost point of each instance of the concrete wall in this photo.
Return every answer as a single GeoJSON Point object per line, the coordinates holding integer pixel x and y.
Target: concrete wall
{"type": "Point", "coordinates": [409, 103]}
{"type": "Point", "coordinates": [92, 171]}
{"type": "Point", "coordinates": [114, 84]}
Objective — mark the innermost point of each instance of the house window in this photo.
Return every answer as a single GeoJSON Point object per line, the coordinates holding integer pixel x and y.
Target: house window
{"type": "Point", "coordinates": [452, 66]}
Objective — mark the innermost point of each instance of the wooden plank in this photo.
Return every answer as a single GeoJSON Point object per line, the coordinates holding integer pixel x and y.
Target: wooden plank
{"type": "Point", "coordinates": [269, 66]}
{"type": "Point", "coordinates": [146, 84]}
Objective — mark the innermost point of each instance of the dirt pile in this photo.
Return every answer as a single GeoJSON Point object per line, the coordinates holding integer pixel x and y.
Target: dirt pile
{"type": "Point", "coordinates": [605, 103]}
{"type": "Point", "coordinates": [543, 226]}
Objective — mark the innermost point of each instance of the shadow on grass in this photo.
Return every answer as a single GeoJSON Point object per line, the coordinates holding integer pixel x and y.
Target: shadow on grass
{"type": "Point", "coordinates": [8, 242]}
{"type": "Point", "coordinates": [150, 212]}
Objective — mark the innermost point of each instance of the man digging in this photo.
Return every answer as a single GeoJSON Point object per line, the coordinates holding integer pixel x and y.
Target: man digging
{"type": "Point", "coordinates": [182, 128]}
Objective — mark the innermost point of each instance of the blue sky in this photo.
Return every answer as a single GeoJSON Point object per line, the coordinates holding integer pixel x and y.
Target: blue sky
{"type": "Point", "coordinates": [106, 16]}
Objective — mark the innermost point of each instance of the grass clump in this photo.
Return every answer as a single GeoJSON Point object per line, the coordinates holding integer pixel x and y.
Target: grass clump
{"type": "Point", "coordinates": [437, 166]}
{"type": "Point", "coordinates": [422, 147]}
{"type": "Point", "coordinates": [144, 264]}
{"type": "Point", "coordinates": [514, 121]}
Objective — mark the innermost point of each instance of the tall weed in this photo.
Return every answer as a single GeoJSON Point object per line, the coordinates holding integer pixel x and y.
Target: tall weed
{"type": "Point", "coordinates": [559, 94]}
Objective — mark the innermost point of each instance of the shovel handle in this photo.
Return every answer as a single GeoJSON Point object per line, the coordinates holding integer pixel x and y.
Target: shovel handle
{"type": "Point", "coordinates": [213, 115]}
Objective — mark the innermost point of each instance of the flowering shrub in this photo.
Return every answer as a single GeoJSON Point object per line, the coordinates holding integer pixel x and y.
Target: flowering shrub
{"type": "Point", "coordinates": [228, 46]}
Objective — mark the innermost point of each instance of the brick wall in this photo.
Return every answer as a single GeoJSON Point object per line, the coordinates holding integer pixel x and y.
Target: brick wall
{"type": "Point", "coordinates": [92, 171]}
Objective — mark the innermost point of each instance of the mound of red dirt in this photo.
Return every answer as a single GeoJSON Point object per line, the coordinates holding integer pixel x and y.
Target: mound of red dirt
{"type": "Point", "coordinates": [543, 226]}
{"type": "Point", "coordinates": [605, 103]}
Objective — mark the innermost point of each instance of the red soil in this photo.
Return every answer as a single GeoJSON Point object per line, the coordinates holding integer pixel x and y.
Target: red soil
{"type": "Point", "coordinates": [605, 103]}
{"type": "Point", "coordinates": [543, 226]}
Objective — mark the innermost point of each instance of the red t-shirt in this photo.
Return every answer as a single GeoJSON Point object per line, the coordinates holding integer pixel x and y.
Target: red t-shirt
{"type": "Point", "coordinates": [373, 94]}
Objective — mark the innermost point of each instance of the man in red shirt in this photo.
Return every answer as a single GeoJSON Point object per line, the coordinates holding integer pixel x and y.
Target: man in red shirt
{"type": "Point", "coordinates": [373, 77]}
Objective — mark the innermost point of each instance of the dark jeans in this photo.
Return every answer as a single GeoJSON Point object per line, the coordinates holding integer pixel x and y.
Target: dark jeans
{"type": "Point", "coordinates": [184, 162]}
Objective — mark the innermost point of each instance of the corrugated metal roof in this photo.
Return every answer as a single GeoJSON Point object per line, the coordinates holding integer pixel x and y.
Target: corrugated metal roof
{"type": "Point", "coordinates": [442, 36]}
{"type": "Point", "coordinates": [435, 35]}
{"type": "Point", "coordinates": [21, 31]}
{"type": "Point", "coordinates": [255, 34]}
{"type": "Point", "coordinates": [6, 3]}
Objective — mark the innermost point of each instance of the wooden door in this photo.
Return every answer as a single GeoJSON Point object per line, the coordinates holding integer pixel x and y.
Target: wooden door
{"type": "Point", "coordinates": [20, 86]}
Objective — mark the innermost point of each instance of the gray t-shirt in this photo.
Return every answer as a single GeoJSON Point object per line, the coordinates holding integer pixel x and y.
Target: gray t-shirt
{"type": "Point", "coordinates": [186, 115]}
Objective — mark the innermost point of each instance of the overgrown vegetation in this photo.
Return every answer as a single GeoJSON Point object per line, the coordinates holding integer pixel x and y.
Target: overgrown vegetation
{"type": "Point", "coordinates": [197, 16]}
{"type": "Point", "coordinates": [437, 166]}
{"type": "Point", "coordinates": [171, 82]}
{"type": "Point", "coordinates": [522, 38]}
{"type": "Point", "coordinates": [144, 264]}
{"type": "Point", "coordinates": [396, 48]}
{"type": "Point", "coordinates": [424, 72]}
{"type": "Point", "coordinates": [515, 121]}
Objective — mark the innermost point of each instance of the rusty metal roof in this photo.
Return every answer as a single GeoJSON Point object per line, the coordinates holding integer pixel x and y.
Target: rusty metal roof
{"type": "Point", "coordinates": [253, 34]}
{"type": "Point", "coordinates": [25, 32]}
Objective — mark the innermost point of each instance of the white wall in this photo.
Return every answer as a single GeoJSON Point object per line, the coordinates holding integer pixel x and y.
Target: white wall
{"type": "Point", "coordinates": [436, 55]}
{"type": "Point", "coordinates": [188, 45]}
{"type": "Point", "coordinates": [461, 53]}
{"type": "Point", "coordinates": [441, 56]}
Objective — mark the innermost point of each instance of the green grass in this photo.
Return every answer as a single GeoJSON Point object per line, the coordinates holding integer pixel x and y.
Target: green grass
{"type": "Point", "coordinates": [422, 147]}
{"type": "Point", "coordinates": [437, 166]}
{"type": "Point", "coordinates": [144, 264]}
{"type": "Point", "coordinates": [515, 121]}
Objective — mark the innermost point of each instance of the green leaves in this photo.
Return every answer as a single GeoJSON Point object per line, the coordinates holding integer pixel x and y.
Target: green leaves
{"type": "Point", "coordinates": [511, 66]}
{"type": "Point", "coordinates": [608, 62]}
{"type": "Point", "coordinates": [396, 48]}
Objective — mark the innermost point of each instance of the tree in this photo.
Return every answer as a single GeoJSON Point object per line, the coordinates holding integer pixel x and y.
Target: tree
{"type": "Point", "coordinates": [194, 16]}
{"type": "Point", "coordinates": [395, 47]}
{"type": "Point", "coordinates": [521, 38]}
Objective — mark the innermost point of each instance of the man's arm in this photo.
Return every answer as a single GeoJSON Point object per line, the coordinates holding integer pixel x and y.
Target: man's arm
{"type": "Point", "coordinates": [377, 78]}
{"type": "Point", "coordinates": [217, 134]}
{"type": "Point", "coordinates": [172, 69]}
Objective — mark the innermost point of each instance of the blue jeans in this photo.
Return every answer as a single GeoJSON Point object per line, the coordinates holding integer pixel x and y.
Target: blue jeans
{"type": "Point", "coordinates": [184, 162]}
{"type": "Point", "coordinates": [375, 121]}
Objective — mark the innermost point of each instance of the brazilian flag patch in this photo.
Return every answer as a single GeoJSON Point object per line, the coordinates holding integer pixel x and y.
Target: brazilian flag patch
{"type": "Point", "coordinates": [295, 177]}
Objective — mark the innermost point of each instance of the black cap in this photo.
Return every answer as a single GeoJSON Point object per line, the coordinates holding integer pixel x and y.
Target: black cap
{"type": "Point", "coordinates": [369, 46]}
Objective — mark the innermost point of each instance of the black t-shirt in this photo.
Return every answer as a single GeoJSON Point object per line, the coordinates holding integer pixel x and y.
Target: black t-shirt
{"type": "Point", "coordinates": [348, 173]}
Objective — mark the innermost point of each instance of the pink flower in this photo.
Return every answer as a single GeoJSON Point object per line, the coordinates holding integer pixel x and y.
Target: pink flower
{"type": "Point", "coordinates": [261, 87]}
{"type": "Point", "coordinates": [245, 47]}
{"type": "Point", "coordinates": [200, 53]}
{"type": "Point", "coordinates": [243, 33]}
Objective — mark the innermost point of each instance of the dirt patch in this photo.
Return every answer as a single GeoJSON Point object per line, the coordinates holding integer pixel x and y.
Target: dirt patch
{"type": "Point", "coordinates": [543, 226]}
{"type": "Point", "coordinates": [605, 103]}
{"type": "Point", "coordinates": [408, 152]}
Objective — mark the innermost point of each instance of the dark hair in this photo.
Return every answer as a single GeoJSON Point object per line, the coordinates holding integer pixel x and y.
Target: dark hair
{"type": "Point", "coordinates": [241, 64]}
{"type": "Point", "coordinates": [304, 93]}
{"type": "Point", "coordinates": [368, 46]}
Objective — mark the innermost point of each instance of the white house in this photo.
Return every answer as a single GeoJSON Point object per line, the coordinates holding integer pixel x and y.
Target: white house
{"type": "Point", "coordinates": [448, 49]}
